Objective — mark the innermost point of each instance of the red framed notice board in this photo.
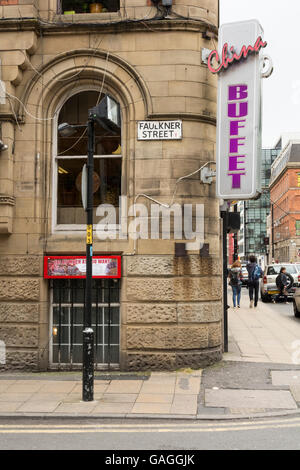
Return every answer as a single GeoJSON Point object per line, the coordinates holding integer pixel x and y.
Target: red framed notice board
{"type": "Point", "coordinates": [74, 267]}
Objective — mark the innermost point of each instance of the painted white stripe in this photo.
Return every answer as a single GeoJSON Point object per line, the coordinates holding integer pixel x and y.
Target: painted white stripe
{"type": "Point", "coordinates": [154, 425]}
{"type": "Point", "coordinates": [178, 430]}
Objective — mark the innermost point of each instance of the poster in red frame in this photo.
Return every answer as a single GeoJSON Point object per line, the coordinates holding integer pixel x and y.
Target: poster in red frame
{"type": "Point", "coordinates": [74, 267]}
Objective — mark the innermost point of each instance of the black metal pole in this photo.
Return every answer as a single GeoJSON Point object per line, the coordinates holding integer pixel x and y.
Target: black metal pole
{"type": "Point", "coordinates": [88, 333]}
{"type": "Point", "coordinates": [235, 238]}
{"type": "Point", "coordinates": [245, 231]}
{"type": "Point", "coordinates": [272, 230]}
{"type": "Point", "coordinates": [225, 274]}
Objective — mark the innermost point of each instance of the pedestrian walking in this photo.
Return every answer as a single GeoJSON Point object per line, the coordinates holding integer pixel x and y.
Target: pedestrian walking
{"type": "Point", "coordinates": [235, 281]}
{"type": "Point", "coordinates": [282, 283]}
{"type": "Point", "coordinates": [254, 274]}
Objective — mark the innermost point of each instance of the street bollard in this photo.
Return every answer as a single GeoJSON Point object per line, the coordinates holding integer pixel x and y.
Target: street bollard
{"type": "Point", "coordinates": [88, 365]}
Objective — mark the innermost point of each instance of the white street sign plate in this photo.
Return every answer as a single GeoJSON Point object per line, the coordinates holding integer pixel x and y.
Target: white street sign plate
{"type": "Point", "coordinates": [160, 130]}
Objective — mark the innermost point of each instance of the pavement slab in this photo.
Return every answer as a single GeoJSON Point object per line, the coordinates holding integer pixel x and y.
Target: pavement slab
{"type": "Point", "coordinates": [285, 377]}
{"type": "Point", "coordinates": [9, 407]}
{"type": "Point", "coordinates": [11, 397]}
{"type": "Point", "coordinates": [79, 407]}
{"type": "Point", "coordinates": [157, 388]}
{"type": "Point", "coordinates": [188, 385]}
{"type": "Point", "coordinates": [151, 408]}
{"type": "Point", "coordinates": [184, 404]}
{"type": "Point", "coordinates": [47, 397]}
{"type": "Point", "coordinates": [295, 391]}
{"type": "Point", "coordinates": [38, 407]}
{"type": "Point", "coordinates": [26, 386]}
{"type": "Point", "coordinates": [58, 387]}
{"type": "Point", "coordinates": [154, 398]}
{"type": "Point", "coordinates": [113, 408]}
{"type": "Point", "coordinates": [124, 386]}
{"type": "Point", "coordinates": [5, 384]}
{"type": "Point", "coordinates": [118, 397]}
{"type": "Point", "coordinates": [271, 399]}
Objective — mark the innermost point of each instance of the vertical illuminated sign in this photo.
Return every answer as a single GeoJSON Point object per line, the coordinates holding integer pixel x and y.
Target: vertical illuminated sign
{"type": "Point", "coordinates": [238, 64]}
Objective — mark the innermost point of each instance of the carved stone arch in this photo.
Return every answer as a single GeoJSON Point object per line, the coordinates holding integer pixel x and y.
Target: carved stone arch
{"type": "Point", "coordinates": [53, 78]}
{"type": "Point", "coordinates": [59, 79]}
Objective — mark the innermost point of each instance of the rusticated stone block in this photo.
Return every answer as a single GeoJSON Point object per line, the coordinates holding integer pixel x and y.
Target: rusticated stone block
{"type": "Point", "coordinates": [21, 313]}
{"type": "Point", "coordinates": [198, 359]}
{"type": "Point", "coordinates": [214, 335]}
{"type": "Point", "coordinates": [20, 265]}
{"type": "Point", "coordinates": [172, 361]}
{"type": "Point", "coordinates": [172, 266]}
{"type": "Point", "coordinates": [150, 338]}
{"type": "Point", "coordinates": [17, 289]}
{"type": "Point", "coordinates": [20, 360]}
{"type": "Point", "coordinates": [150, 361]}
{"type": "Point", "coordinates": [192, 338]}
{"type": "Point", "coordinates": [19, 336]}
{"type": "Point", "coordinates": [204, 312]}
{"type": "Point", "coordinates": [174, 289]}
{"type": "Point", "coordinates": [151, 313]}
{"type": "Point", "coordinates": [167, 338]}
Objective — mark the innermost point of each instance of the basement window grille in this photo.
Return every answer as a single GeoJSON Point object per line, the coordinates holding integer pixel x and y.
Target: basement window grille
{"type": "Point", "coordinates": [67, 313]}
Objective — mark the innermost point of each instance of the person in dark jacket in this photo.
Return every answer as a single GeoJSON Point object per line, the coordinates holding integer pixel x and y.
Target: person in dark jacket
{"type": "Point", "coordinates": [282, 283]}
{"type": "Point", "coordinates": [235, 281]}
{"type": "Point", "coordinates": [254, 274]}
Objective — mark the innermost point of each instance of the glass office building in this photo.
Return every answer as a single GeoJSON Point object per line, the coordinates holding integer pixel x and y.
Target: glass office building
{"type": "Point", "coordinates": [254, 213]}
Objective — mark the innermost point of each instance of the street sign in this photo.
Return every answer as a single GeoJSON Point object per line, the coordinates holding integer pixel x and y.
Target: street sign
{"type": "Point", "coordinates": [160, 130]}
{"type": "Point", "coordinates": [239, 110]}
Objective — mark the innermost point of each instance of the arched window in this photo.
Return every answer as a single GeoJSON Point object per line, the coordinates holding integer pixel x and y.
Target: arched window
{"type": "Point", "coordinates": [70, 156]}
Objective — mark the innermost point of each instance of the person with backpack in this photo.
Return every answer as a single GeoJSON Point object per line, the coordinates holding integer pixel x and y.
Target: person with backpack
{"type": "Point", "coordinates": [254, 274]}
{"type": "Point", "coordinates": [235, 275]}
{"type": "Point", "coordinates": [282, 283]}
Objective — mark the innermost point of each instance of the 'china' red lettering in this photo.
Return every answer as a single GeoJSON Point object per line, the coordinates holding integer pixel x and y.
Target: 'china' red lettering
{"type": "Point", "coordinates": [226, 60]}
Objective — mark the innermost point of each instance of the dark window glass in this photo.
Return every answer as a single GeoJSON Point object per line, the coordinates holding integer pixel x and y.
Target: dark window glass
{"type": "Point", "coordinates": [82, 6]}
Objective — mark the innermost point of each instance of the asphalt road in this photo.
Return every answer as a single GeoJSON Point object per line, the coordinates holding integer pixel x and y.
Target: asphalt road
{"type": "Point", "coordinates": [271, 434]}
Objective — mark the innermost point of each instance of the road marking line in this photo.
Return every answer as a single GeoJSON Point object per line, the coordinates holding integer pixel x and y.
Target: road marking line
{"type": "Point", "coordinates": [162, 430]}
{"type": "Point", "coordinates": [141, 426]}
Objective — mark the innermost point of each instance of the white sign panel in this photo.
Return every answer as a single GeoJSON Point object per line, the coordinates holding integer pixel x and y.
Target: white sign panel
{"type": "Point", "coordinates": [159, 130]}
{"type": "Point", "coordinates": [239, 110]}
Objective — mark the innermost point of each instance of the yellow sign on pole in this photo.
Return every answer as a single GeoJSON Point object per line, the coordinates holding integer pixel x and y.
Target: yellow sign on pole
{"type": "Point", "coordinates": [89, 235]}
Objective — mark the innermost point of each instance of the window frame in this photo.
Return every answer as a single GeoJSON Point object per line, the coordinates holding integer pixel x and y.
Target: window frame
{"type": "Point", "coordinates": [75, 228]}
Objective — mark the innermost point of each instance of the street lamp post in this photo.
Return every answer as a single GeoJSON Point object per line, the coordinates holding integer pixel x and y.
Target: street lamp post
{"type": "Point", "coordinates": [88, 333]}
{"type": "Point", "coordinates": [66, 130]}
{"type": "Point", "coordinates": [107, 114]}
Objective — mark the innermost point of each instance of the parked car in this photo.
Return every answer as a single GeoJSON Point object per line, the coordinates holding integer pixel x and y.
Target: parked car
{"type": "Point", "coordinates": [268, 288]}
{"type": "Point", "coordinates": [296, 303]}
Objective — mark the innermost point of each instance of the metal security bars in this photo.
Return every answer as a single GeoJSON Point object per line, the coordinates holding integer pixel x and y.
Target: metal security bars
{"type": "Point", "coordinates": [67, 313]}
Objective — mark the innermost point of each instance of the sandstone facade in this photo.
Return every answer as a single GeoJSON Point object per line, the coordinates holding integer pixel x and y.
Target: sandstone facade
{"type": "Point", "coordinates": [171, 308]}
